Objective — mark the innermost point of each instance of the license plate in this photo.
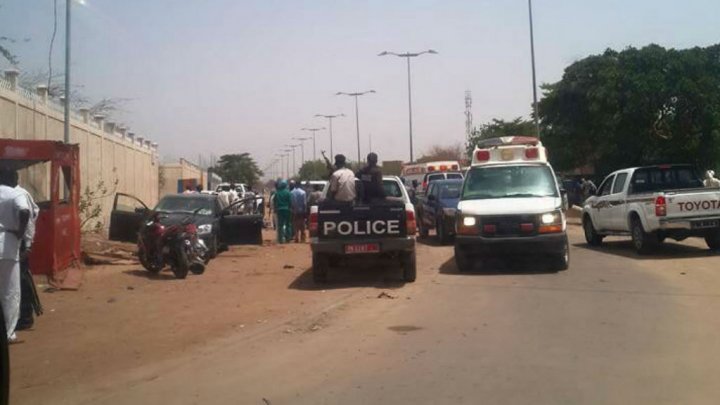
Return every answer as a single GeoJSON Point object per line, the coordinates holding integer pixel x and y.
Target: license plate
{"type": "Point", "coordinates": [362, 248]}
{"type": "Point", "coordinates": [713, 223]}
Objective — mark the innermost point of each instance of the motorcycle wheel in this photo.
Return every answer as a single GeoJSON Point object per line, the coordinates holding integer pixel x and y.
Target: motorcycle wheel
{"type": "Point", "coordinates": [152, 268]}
{"type": "Point", "coordinates": [182, 264]}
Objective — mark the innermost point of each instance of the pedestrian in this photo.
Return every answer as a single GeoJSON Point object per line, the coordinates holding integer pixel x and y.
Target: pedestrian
{"type": "Point", "coordinates": [14, 217]}
{"type": "Point", "coordinates": [282, 208]}
{"type": "Point", "coordinates": [299, 211]}
{"type": "Point", "coordinates": [371, 177]}
{"type": "Point", "coordinates": [315, 195]}
{"type": "Point", "coordinates": [29, 299]}
{"type": "Point", "coordinates": [342, 182]}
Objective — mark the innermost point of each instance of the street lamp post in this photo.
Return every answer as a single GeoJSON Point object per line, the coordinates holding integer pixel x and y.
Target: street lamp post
{"type": "Point", "coordinates": [330, 118]}
{"type": "Point", "coordinates": [302, 148]}
{"type": "Point", "coordinates": [313, 130]}
{"type": "Point", "coordinates": [357, 115]}
{"type": "Point", "coordinates": [282, 164]}
{"type": "Point", "coordinates": [532, 57]}
{"type": "Point", "coordinates": [407, 57]}
{"type": "Point", "coordinates": [292, 147]}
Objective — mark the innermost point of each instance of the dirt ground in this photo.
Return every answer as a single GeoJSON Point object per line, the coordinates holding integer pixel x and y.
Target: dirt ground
{"type": "Point", "coordinates": [123, 316]}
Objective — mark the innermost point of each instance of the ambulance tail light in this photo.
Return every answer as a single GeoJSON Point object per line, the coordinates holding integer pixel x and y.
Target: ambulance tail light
{"type": "Point", "coordinates": [482, 155]}
{"type": "Point", "coordinates": [455, 168]}
{"type": "Point", "coordinates": [431, 168]}
{"type": "Point", "coordinates": [313, 223]}
{"type": "Point", "coordinates": [443, 168]}
{"type": "Point", "coordinates": [532, 153]}
{"type": "Point", "coordinates": [660, 206]}
{"type": "Point", "coordinates": [410, 221]}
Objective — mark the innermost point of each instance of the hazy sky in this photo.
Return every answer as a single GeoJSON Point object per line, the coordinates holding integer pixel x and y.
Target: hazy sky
{"type": "Point", "coordinates": [223, 76]}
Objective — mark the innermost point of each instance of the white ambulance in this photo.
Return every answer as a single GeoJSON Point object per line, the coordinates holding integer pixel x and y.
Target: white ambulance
{"type": "Point", "coordinates": [511, 204]}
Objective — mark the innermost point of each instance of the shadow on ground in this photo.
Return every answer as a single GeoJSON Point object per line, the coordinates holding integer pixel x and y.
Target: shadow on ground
{"type": "Point", "coordinates": [353, 276]}
{"type": "Point", "coordinates": [665, 251]}
{"type": "Point", "coordinates": [501, 266]}
{"type": "Point", "coordinates": [163, 275]}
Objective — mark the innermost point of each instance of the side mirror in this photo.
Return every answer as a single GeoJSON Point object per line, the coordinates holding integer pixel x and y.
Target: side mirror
{"type": "Point", "coordinates": [565, 201]}
{"type": "Point", "coordinates": [141, 210]}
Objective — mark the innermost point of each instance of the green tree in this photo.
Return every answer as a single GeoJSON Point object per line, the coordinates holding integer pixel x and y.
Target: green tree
{"type": "Point", "coordinates": [238, 168]}
{"type": "Point", "coordinates": [441, 152]}
{"type": "Point", "coordinates": [499, 127]}
{"type": "Point", "coordinates": [635, 107]}
{"type": "Point", "coordinates": [313, 170]}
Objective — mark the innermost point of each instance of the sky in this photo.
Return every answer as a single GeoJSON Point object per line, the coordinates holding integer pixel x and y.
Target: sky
{"type": "Point", "coordinates": [213, 77]}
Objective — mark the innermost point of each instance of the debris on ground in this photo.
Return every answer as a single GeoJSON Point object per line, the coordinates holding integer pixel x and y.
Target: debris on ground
{"type": "Point", "coordinates": [386, 295]}
{"type": "Point", "coordinates": [111, 300]}
{"type": "Point", "coordinates": [288, 266]}
{"type": "Point", "coordinates": [315, 328]}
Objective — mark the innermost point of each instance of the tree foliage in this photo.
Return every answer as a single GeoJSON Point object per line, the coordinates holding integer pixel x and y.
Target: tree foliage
{"type": "Point", "coordinates": [313, 170]}
{"type": "Point", "coordinates": [443, 152]}
{"type": "Point", "coordinates": [635, 107]}
{"type": "Point", "coordinates": [500, 127]}
{"type": "Point", "coordinates": [238, 168]}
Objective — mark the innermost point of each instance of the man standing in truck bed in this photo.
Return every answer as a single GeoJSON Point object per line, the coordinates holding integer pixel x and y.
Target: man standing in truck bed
{"type": "Point", "coordinates": [342, 182]}
{"type": "Point", "coordinates": [371, 177]}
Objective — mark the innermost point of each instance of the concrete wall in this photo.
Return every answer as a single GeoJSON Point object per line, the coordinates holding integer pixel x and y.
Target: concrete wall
{"type": "Point", "coordinates": [107, 153]}
{"type": "Point", "coordinates": [170, 173]}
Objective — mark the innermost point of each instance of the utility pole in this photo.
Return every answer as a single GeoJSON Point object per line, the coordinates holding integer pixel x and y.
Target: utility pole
{"type": "Point", "coordinates": [302, 148]}
{"type": "Point", "coordinates": [532, 57]}
{"type": "Point", "coordinates": [66, 126]}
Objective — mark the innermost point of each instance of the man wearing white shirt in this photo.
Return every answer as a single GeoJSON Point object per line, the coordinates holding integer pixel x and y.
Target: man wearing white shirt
{"type": "Point", "coordinates": [29, 300]}
{"type": "Point", "coordinates": [14, 218]}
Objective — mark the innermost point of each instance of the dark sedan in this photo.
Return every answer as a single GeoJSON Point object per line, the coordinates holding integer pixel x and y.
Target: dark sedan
{"type": "Point", "coordinates": [437, 208]}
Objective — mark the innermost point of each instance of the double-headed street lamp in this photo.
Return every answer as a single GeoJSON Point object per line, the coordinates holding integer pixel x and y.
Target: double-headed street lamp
{"type": "Point", "coordinates": [302, 147]}
{"type": "Point", "coordinates": [283, 166]}
{"type": "Point", "coordinates": [357, 115]}
{"type": "Point", "coordinates": [292, 148]}
{"type": "Point", "coordinates": [407, 56]}
{"type": "Point", "coordinates": [330, 118]}
{"type": "Point", "coordinates": [313, 130]}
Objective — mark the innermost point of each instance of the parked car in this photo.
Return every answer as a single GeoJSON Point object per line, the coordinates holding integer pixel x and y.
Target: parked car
{"type": "Point", "coordinates": [653, 203]}
{"type": "Point", "coordinates": [436, 210]}
{"type": "Point", "coordinates": [217, 227]}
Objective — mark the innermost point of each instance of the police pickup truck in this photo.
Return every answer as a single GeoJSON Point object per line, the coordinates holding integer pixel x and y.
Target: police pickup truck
{"type": "Point", "coordinates": [653, 203]}
{"type": "Point", "coordinates": [510, 203]}
{"type": "Point", "coordinates": [341, 233]}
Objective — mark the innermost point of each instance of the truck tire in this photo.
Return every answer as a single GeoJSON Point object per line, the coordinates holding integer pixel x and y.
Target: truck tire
{"type": "Point", "coordinates": [441, 232]}
{"type": "Point", "coordinates": [462, 261]}
{"type": "Point", "coordinates": [642, 241]}
{"type": "Point", "coordinates": [409, 266]}
{"type": "Point", "coordinates": [591, 236]}
{"type": "Point", "coordinates": [561, 261]}
{"type": "Point", "coordinates": [320, 264]}
{"type": "Point", "coordinates": [713, 240]}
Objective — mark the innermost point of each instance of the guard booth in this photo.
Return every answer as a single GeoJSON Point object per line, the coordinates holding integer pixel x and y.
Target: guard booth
{"type": "Point", "coordinates": [57, 235]}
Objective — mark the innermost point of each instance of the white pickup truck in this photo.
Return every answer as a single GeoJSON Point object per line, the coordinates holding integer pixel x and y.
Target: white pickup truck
{"type": "Point", "coordinates": [653, 203]}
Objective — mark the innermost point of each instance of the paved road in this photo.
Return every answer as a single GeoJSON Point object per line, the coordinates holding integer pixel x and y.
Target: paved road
{"type": "Point", "coordinates": [615, 328]}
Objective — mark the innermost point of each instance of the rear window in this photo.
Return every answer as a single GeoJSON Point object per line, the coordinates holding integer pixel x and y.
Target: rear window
{"type": "Point", "coordinates": [452, 176]}
{"type": "Point", "coordinates": [435, 177]}
{"type": "Point", "coordinates": [392, 189]}
{"type": "Point", "coordinates": [450, 191]}
{"type": "Point", "coordinates": [654, 179]}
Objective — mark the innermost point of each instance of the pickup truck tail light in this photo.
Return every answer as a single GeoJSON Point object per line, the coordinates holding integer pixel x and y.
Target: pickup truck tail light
{"type": "Point", "coordinates": [660, 206]}
{"type": "Point", "coordinates": [313, 223]}
{"type": "Point", "coordinates": [411, 223]}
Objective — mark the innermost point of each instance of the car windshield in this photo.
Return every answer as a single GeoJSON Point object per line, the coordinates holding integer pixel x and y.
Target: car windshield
{"type": "Point", "coordinates": [509, 182]}
{"type": "Point", "coordinates": [449, 191]}
{"type": "Point", "coordinates": [187, 205]}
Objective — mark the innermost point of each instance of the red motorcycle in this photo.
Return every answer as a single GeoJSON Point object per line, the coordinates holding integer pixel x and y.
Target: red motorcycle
{"type": "Point", "coordinates": [175, 245]}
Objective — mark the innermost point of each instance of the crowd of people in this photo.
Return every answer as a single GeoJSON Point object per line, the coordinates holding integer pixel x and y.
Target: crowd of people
{"type": "Point", "coordinates": [290, 203]}
{"type": "Point", "coordinates": [18, 213]}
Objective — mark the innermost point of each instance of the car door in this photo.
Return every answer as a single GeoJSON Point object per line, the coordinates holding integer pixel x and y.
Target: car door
{"type": "Point", "coordinates": [433, 204]}
{"type": "Point", "coordinates": [601, 204]}
{"type": "Point", "coordinates": [240, 228]}
{"type": "Point", "coordinates": [617, 206]}
{"type": "Point", "coordinates": [126, 217]}
{"type": "Point", "coordinates": [427, 207]}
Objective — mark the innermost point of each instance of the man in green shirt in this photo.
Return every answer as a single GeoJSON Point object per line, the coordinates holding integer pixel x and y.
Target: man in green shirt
{"type": "Point", "coordinates": [282, 208]}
